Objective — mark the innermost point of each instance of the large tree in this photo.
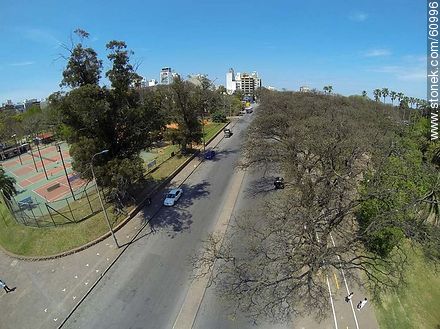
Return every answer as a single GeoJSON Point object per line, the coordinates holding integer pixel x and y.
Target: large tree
{"type": "Point", "coordinates": [275, 258]}
{"type": "Point", "coordinates": [186, 103]}
{"type": "Point", "coordinates": [117, 119]}
{"type": "Point", "coordinates": [83, 66]}
{"type": "Point", "coordinates": [7, 184]}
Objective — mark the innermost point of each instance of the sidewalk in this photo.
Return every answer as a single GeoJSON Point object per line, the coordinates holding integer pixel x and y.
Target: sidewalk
{"type": "Point", "coordinates": [47, 291]}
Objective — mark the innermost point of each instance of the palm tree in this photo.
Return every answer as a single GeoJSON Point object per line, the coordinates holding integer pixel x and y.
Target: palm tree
{"type": "Point", "coordinates": [400, 97]}
{"type": "Point", "coordinates": [393, 95]}
{"type": "Point", "coordinates": [385, 93]}
{"type": "Point", "coordinates": [412, 101]}
{"type": "Point", "coordinates": [330, 89]}
{"type": "Point", "coordinates": [377, 94]}
{"type": "Point", "coordinates": [364, 93]}
{"type": "Point", "coordinates": [325, 89]}
{"type": "Point", "coordinates": [404, 104]}
{"type": "Point", "coordinates": [7, 184]}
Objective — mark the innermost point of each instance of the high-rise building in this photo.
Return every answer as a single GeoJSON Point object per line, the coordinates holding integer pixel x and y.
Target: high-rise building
{"type": "Point", "coordinates": [245, 82]}
{"type": "Point", "coordinates": [231, 85]}
{"type": "Point", "coordinates": [166, 76]}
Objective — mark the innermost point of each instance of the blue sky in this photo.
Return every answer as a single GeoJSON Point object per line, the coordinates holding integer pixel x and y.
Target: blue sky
{"type": "Point", "coordinates": [351, 45]}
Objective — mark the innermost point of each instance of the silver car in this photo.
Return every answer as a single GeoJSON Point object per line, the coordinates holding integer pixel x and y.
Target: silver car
{"type": "Point", "coordinates": [172, 197]}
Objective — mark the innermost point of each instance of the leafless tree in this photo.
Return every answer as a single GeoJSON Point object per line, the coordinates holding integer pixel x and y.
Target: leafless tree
{"type": "Point", "coordinates": [274, 260]}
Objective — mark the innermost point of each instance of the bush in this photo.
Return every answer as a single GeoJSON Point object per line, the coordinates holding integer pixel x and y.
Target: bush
{"type": "Point", "coordinates": [219, 117]}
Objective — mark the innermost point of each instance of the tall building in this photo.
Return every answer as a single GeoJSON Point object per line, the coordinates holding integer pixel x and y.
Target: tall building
{"type": "Point", "coordinates": [166, 76]}
{"type": "Point", "coordinates": [231, 85]}
{"type": "Point", "coordinates": [245, 82]}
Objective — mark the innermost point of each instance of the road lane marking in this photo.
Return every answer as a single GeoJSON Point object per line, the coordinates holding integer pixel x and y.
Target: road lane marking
{"type": "Point", "coordinates": [346, 285]}
{"type": "Point", "coordinates": [331, 301]}
{"type": "Point", "coordinates": [336, 281]}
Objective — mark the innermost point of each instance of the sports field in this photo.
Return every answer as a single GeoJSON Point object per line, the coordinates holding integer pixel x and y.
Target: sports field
{"type": "Point", "coordinates": [41, 177]}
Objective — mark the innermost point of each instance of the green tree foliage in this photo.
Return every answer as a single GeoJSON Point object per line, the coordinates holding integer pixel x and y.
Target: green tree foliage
{"type": "Point", "coordinates": [219, 117]}
{"type": "Point", "coordinates": [122, 74]}
{"type": "Point", "coordinates": [7, 184]}
{"type": "Point", "coordinates": [186, 103]}
{"type": "Point", "coordinates": [83, 66]}
{"type": "Point", "coordinates": [120, 119]}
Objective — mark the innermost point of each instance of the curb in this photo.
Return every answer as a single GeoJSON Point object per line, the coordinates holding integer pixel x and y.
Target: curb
{"type": "Point", "coordinates": [130, 215]}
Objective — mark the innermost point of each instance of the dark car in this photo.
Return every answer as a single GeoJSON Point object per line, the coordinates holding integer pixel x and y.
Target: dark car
{"type": "Point", "coordinates": [228, 132]}
{"type": "Point", "coordinates": [209, 155]}
{"type": "Point", "coordinates": [279, 183]}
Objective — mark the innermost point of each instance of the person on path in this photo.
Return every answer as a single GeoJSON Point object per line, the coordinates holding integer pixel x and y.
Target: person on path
{"type": "Point", "coordinates": [361, 304]}
{"type": "Point", "coordinates": [349, 297]}
{"type": "Point", "coordinates": [4, 286]}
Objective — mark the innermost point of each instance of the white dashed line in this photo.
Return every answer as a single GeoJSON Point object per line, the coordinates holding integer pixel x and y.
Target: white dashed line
{"type": "Point", "coordinates": [333, 306]}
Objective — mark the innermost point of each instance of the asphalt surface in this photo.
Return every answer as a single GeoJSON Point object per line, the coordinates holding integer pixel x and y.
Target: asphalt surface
{"type": "Point", "coordinates": [147, 285]}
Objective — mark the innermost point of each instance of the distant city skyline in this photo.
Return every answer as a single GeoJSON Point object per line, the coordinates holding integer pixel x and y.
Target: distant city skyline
{"type": "Point", "coordinates": [351, 46]}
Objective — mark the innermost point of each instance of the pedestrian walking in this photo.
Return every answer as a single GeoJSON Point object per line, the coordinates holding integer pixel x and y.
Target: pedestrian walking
{"type": "Point", "coordinates": [4, 286]}
{"type": "Point", "coordinates": [349, 297]}
{"type": "Point", "coordinates": [361, 304]}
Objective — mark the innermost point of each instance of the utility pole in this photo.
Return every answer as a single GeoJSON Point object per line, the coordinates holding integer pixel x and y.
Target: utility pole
{"type": "Point", "coordinates": [100, 199]}
{"type": "Point", "coordinates": [19, 148]}
{"type": "Point", "coordinates": [58, 146]}
{"type": "Point", "coordinates": [37, 141]}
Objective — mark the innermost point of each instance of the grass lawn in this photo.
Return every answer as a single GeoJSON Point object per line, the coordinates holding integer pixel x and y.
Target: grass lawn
{"type": "Point", "coordinates": [212, 128]}
{"type": "Point", "coordinates": [416, 305]}
{"type": "Point", "coordinates": [30, 241]}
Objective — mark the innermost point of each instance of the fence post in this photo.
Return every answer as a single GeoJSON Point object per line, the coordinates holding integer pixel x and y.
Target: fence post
{"type": "Point", "coordinates": [88, 200]}
{"type": "Point", "coordinates": [48, 210]}
{"type": "Point", "coordinates": [70, 209]}
{"type": "Point", "coordinates": [41, 211]}
{"type": "Point", "coordinates": [33, 215]}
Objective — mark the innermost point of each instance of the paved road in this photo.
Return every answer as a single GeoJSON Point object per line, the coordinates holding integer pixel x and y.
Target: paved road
{"type": "Point", "coordinates": [147, 286]}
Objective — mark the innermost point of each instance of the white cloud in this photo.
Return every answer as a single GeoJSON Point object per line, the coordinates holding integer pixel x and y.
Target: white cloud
{"type": "Point", "coordinates": [26, 63]}
{"type": "Point", "coordinates": [40, 36]}
{"type": "Point", "coordinates": [412, 75]}
{"type": "Point", "coordinates": [402, 73]}
{"type": "Point", "coordinates": [377, 52]}
{"type": "Point", "coordinates": [358, 16]}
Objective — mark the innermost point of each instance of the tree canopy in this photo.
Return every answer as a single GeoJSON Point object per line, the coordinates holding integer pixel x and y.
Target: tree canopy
{"type": "Point", "coordinates": [356, 188]}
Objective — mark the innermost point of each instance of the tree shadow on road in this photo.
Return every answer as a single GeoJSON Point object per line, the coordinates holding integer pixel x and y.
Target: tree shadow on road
{"type": "Point", "coordinates": [260, 186]}
{"type": "Point", "coordinates": [177, 218]}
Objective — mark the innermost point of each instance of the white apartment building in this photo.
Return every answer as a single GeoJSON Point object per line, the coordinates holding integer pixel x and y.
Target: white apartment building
{"type": "Point", "coordinates": [165, 76]}
{"type": "Point", "coordinates": [152, 82]}
{"type": "Point", "coordinates": [245, 82]}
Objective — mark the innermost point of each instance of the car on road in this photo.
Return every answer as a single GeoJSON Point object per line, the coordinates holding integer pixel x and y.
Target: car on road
{"type": "Point", "coordinates": [172, 197]}
{"type": "Point", "coordinates": [209, 154]}
{"type": "Point", "coordinates": [242, 112]}
{"type": "Point", "coordinates": [227, 132]}
{"type": "Point", "coordinates": [279, 183]}
{"type": "Point", "coordinates": [249, 109]}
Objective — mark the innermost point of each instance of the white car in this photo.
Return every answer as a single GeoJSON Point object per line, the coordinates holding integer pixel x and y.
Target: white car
{"type": "Point", "coordinates": [172, 197]}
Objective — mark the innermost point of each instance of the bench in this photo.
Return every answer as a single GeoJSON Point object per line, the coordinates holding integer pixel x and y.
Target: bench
{"type": "Point", "coordinates": [53, 187]}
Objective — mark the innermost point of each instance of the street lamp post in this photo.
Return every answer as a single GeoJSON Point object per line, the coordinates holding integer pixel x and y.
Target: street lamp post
{"type": "Point", "coordinates": [100, 199]}
{"type": "Point", "coordinates": [37, 141]}
{"type": "Point", "coordinates": [32, 156]}
{"type": "Point", "coordinates": [19, 149]}
{"type": "Point", "coordinates": [203, 130]}
{"type": "Point", "coordinates": [58, 146]}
